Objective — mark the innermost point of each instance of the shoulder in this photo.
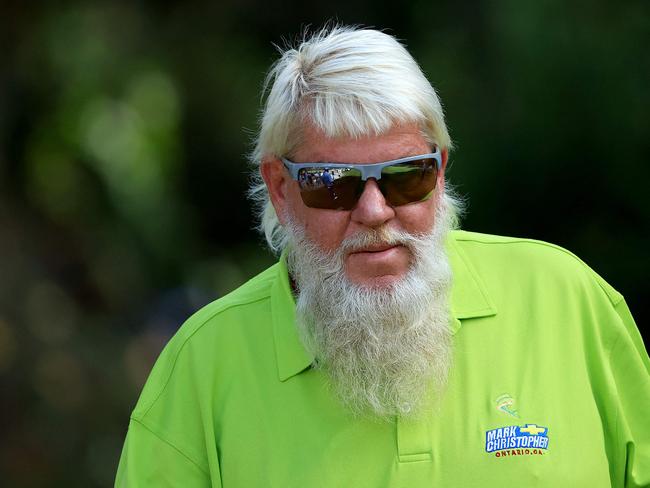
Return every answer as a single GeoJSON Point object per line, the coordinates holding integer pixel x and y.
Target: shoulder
{"type": "Point", "coordinates": [209, 339]}
{"type": "Point", "coordinates": [524, 260]}
{"type": "Point", "coordinates": [257, 289]}
{"type": "Point", "coordinates": [543, 286]}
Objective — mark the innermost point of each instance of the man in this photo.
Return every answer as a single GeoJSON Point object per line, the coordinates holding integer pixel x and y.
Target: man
{"type": "Point", "coordinates": [386, 349]}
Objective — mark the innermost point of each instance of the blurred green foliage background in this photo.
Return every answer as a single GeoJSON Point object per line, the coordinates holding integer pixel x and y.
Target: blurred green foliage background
{"type": "Point", "coordinates": [124, 128]}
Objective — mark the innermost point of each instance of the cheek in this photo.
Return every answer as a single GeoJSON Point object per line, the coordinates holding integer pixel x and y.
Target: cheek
{"type": "Point", "coordinates": [325, 228]}
{"type": "Point", "coordinates": [417, 218]}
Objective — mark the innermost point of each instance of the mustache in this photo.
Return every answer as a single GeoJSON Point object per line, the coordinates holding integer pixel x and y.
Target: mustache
{"type": "Point", "coordinates": [377, 237]}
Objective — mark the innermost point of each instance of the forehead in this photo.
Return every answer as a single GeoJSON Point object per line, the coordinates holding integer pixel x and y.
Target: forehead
{"type": "Point", "coordinates": [399, 141]}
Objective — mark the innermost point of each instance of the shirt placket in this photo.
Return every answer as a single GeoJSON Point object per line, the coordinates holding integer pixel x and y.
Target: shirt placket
{"type": "Point", "coordinates": [414, 441]}
{"type": "Point", "coordinates": [414, 452]}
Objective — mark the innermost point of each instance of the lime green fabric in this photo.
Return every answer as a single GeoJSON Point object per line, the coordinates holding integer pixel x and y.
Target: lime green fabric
{"type": "Point", "coordinates": [543, 348]}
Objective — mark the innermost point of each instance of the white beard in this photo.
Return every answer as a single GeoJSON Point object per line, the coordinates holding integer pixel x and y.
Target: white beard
{"type": "Point", "coordinates": [386, 351]}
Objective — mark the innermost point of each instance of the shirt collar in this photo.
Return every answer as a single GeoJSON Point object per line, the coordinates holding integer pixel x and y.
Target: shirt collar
{"type": "Point", "coordinates": [469, 299]}
{"type": "Point", "coordinates": [469, 295]}
{"type": "Point", "coordinates": [292, 358]}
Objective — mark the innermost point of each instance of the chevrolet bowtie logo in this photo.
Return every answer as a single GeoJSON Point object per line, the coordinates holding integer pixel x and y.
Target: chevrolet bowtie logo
{"type": "Point", "coordinates": [532, 429]}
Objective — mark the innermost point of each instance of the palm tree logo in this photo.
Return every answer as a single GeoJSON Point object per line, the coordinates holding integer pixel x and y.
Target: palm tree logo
{"type": "Point", "coordinates": [506, 404]}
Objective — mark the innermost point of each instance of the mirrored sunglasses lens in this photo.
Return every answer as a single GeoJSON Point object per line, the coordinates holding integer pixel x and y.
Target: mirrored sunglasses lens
{"type": "Point", "coordinates": [330, 188]}
{"type": "Point", "coordinates": [409, 182]}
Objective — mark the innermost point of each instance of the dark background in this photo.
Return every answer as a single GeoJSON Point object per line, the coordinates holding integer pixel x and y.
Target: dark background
{"type": "Point", "coordinates": [123, 133]}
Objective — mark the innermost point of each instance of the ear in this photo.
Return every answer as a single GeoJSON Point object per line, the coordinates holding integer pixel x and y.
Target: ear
{"type": "Point", "coordinates": [443, 167]}
{"type": "Point", "coordinates": [277, 180]}
{"type": "Point", "coordinates": [445, 155]}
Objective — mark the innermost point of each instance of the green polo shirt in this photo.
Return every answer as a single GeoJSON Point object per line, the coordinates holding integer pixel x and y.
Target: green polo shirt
{"type": "Point", "coordinates": [550, 387]}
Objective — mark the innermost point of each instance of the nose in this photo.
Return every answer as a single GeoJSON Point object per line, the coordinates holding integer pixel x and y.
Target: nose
{"type": "Point", "coordinates": [372, 209]}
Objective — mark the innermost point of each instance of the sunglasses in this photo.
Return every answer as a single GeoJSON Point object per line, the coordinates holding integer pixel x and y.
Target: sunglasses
{"type": "Point", "coordinates": [338, 186]}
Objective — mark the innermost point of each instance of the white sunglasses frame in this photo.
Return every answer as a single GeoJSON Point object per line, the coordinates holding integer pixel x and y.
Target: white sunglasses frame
{"type": "Point", "coordinates": [371, 170]}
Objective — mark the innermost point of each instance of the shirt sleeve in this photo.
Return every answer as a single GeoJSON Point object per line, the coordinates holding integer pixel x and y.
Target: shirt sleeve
{"type": "Point", "coordinates": [148, 460]}
{"type": "Point", "coordinates": [631, 375]}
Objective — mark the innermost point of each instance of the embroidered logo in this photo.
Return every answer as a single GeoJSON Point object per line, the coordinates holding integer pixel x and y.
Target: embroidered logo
{"type": "Point", "coordinates": [506, 404]}
{"type": "Point", "coordinates": [514, 440]}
